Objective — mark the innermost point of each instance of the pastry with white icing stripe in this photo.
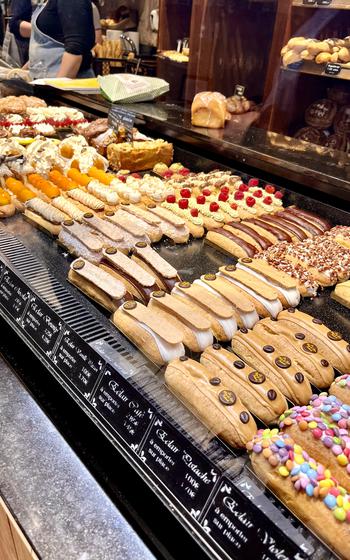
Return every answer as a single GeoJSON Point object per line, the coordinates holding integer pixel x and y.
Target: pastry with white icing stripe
{"type": "Point", "coordinates": [194, 324]}
{"type": "Point", "coordinates": [171, 225]}
{"type": "Point", "coordinates": [245, 312]}
{"type": "Point", "coordinates": [264, 297]}
{"type": "Point", "coordinates": [44, 215]}
{"type": "Point", "coordinates": [219, 312]}
{"type": "Point", "coordinates": [68, 208]}
{"type": "Point", "coordinates": [158, 338]}
{"type": "Point", "coordinates": [132, 226]}
{"type": "Point", "coordinates": [86, 198]}
{"type": "Point", "coordinates": [110, 234]}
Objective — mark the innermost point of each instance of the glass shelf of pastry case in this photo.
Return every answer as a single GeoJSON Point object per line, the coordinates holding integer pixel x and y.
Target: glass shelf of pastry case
{"type": "Point", "coordinates": [327, 4]}
{"type": "Point", "coordinates": [328, 70]}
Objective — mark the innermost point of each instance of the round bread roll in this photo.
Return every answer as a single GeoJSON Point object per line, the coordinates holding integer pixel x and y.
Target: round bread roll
{"type": "Point", "coordinates": [312, 135]}
{"type": "Point", "coordinates": [321, 113]}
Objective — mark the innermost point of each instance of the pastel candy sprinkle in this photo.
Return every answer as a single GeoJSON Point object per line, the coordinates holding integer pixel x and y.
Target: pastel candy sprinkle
{"type": "Point", "coordinates": [337, 450]}
{"type": "Point", "coordinates": [309, 490]}
{"type": "Point", "coordinates": [283, 471]}
{"type": "Point", "coordinates": [342, 460]}
{"type": "Point", "coordinates": [339, 514]}
{"type": "Point", "coordinates": [330, 501]}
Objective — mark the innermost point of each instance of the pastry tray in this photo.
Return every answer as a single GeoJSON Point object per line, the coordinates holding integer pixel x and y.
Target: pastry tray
{"type": "Point", "coordinates": [207, 486]}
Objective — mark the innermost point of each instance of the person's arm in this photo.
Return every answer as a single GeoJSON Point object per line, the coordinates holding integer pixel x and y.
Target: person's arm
{"type": "Point", "coordinates": [21, 14]}
{"type": "Point", "coordinates": [25, 28]}
{"type": "Point", "coordinates": [98, 36]}
{"type": "Point", "coordinates": [78, 32]}
{"type": "Point", "coordinates": [70, 65]}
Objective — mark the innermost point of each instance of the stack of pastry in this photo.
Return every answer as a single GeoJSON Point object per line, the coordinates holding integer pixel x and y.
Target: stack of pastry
{"type": "Point", "coordinates": [330, 50]}
{"type": "Point", "coordinates": [325, 260]}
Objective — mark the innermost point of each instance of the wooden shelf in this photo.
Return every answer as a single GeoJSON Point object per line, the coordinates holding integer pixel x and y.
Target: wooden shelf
{"type": "Point", "coordinates": [310, 67]}
{"type": "Point", "coordinates": [334, 5]}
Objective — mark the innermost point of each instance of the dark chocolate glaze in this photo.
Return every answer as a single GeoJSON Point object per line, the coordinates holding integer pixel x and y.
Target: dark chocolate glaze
{"type": "Point", "coordinates": [301, 221]}
{"type": "Point", "coordinates": [291, 228]}
{"type": "Point", "coordinates": [247, 247]}
{"type": "Point", "coordinates": [144, 293]}
{"type": "Point", "coordinates": [263, 242]}
{"type": "Point", "coordinates": [314, 218]}
{"type": "Point", "coordinates": [279, 234]}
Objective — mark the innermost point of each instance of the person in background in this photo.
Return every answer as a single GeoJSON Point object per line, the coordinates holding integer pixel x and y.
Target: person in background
{"type": "Point", "coordinates": [148, 26]}
{"type": "Point", "coordinates": [61, 40]}
{"type": "Point", "coordinates": [21, 14]}
{"type": "Point", "coordinates": [97, 24]}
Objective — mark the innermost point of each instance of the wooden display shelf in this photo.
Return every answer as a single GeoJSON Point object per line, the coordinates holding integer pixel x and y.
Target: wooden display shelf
{"type": "Point", "coordinates": [310, 67]}
{"type": "Point", "coordinates": [333, 5]}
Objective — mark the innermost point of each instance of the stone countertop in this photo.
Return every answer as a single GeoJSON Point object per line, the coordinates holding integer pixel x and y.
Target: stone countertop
{"type": "Point", "coordinates": [60, 507]}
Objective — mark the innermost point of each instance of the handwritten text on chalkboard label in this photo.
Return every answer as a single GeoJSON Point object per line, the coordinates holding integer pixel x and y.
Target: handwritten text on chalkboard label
{"type": "Point", "coordinates": [332, 68]}
{"type": "Point", "coordinates": [119, 117]}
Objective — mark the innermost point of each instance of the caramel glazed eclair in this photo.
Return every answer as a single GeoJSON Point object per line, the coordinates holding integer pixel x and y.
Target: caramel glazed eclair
{"type": "Point", "coordinates": [277, 367]}
{"type": "Point", "coordinates": [165, 274]}
{"type": "Point", "coordinates": [304, 354]}
{"type": "Point", "coordinates": [329, 343]}
{"type": "Point", "coordinates": [257, 393]}
{"type": "Point", "coordinates": [98, 285]}
{"type": "Point", "coordinates": [211, 401]}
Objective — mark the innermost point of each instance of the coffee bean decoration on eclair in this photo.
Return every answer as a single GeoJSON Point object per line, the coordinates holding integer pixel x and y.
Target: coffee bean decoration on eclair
{"type": "Point", "coordinates": [246, 260]}
{"type": "Point", "coordinates": [109, 213]}
{"type": "Point", "coordinates": [215, 381]}
{"type": "Point", "coordinates": [227, 397]}
{"type": "Point", "coordinates": [183, 358]}
{"type": "Point", "coordinates": [268, 349]}
{"type": "Point", "coordinates": [68, 223]}
{"type": "Point", "coordinates": [129, 305]}
{"type": "Point", "coordinates": [291, 310]}
{"type": "Point", "coordinates": [299, 336]}
{"type": "Point", "coordinates": [299, 378]}
{"type": "Point", "coordinates": [239, 364]}
{"type": "Point", "coordinates": [88, 215]}
{"type": "Point", "coordinates": [283, 362]}
{"type": "Point", "coordinates": [111, 250]}
{"type": "Point", "coordinates": [158, 294]}
{"type": "Point", "coordinates": [310, 347]}
{"type": "Point", "coordinates": [317, 321]}
{"type": "Point", "coordinates": [243, 330]}
{"type": "Point", "coordinates": [334, 335]}
{"type": "Point", "coordinates": [244, 417]}
{"type": "Point", "coordinates": [141, 244]}
{"type": "Point", "coordinates": [78, 265]}
{"type": "Point", "coordinates": [216, 346]}
{"type": "Point", "coordinates": [271, 395]}
{"type": "Point", "coordinates": [184, 284]}
{"type": "Point", "coordinates": [256, 377]}
{"type": "Point", "coordinates": [324, 363]}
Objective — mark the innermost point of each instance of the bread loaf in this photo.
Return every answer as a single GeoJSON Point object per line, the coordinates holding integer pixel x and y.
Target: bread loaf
{"type": "Point", "coordinates": [141, 156]}
{"type": "Point", "coordinates": [209, 110]}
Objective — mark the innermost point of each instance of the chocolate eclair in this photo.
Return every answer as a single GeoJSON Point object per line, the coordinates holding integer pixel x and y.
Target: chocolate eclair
{"type": "Point", "coordinates": [272, 233]}
{"type": "Point", "coordinates": [137, 280]}
{"type": "Point", "coordinates": [230, 243]}
{"type": "Point", "coordinates": [323, 223]}
{"type": "Point", "coordinates": [248, 234]}
{"type": "Point", "coordinates": [165, 274]}
{"type": "Point", "coordinates": [301, 222]}
{"type": "Point", "coordinates": [296, 233]}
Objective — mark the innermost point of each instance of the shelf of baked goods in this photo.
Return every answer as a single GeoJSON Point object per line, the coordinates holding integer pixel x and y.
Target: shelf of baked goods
{"type": "Point", "coordinates": [245, 345]}
{"type": "Point", "coordinates": [329, 69]}
{"type": "Point", "coordinates": [325, 4]}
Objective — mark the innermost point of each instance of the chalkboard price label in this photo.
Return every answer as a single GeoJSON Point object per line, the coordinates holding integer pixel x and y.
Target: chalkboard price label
{"type": "Point", "coordinates": [235, 526]}
{"type": "Point", "coordinates": [185, 472]}
{"type": "Point", "coordinates": [14, 294]}
{"type": "Point", "coordinates": [119, 117]}
{"type": "Point", "coordinates": [239, 90]}
{"type": "Point", "coordinates": [123, 408]}
{"type": "Point", "coordinates": [77, 361]}
{"type": "Point", "coordinates": [42, 325]}
{"type": "Point", "coordinates": [332, 68]}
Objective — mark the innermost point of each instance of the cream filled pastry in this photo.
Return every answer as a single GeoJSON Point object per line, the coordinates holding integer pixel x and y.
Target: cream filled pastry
{"type": "Point", "coordinates": [152, 262]}
{"type": "Point", "coordinates": [194, 324]}
{"type": "Point", "coordinates": [79, 241]}
{"type": "Point", "coordinates": [158, 338]}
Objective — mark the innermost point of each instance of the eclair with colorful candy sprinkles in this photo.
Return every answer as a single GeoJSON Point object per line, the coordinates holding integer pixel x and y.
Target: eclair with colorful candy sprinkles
{"type": "Point", "coordinates": [326, 439]}
{"type": "Point", "coordinates": [305, 486]}
{"type": "Point", "coordinates": [340, 388]}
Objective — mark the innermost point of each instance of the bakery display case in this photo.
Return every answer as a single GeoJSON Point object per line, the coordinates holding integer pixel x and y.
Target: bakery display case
{"type": "Point", "coordinates": [180, 430]}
